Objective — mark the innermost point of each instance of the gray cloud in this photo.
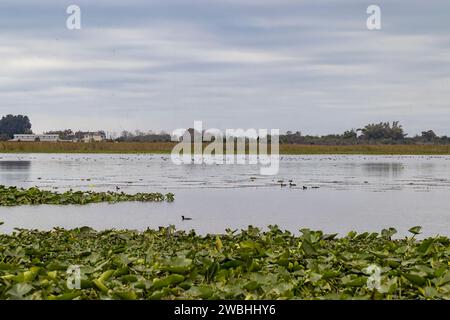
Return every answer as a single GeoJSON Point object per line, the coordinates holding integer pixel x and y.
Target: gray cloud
{"type": "Point", "coordinates": [276, 64]}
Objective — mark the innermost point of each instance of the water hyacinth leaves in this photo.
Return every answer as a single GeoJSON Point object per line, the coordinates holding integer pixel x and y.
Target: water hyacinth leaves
{"type": "Point", "coordinates": [219, 244]}
{"type": "Point", "coordinates": [18, 291]}
{"type": "Point", "coordinates": [159, 283]}
{"type": "Point", "coordinates": [415, 230]}
{"type": "Point", "coordinates": [178, 265]}
{"type": "Point", "coordinates": [12, 196]}
{"type": "Point", "coordinates": [250, 264]}
{"type": "Point", "coordinates": [388, 233]}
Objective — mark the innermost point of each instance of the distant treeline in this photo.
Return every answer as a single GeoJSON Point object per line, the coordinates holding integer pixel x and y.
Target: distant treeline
{"type": "Point", "coordinates": [375, 133]}
{"type": "Point", "coordinates": [378, 133]}
{"type": "Point", "coordinates": [139, 136]}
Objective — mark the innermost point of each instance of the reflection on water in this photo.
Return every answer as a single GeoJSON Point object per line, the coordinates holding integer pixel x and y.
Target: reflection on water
{"type": "Point", "coordinates": [9, 165]}
{"type": "Point", "coordinates": [427, 167]}
{"type": "Point", "coordinates": [12, 171]}
{"type": "Point", "coordinates": [384, 169]}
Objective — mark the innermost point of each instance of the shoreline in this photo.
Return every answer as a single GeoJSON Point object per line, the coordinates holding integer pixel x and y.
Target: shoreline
{"type": "Point", "coordinates": [166, 148]}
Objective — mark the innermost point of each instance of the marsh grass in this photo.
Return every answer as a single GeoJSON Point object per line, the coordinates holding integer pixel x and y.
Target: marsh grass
{"type": "Point", "coordinates": [166, 148]}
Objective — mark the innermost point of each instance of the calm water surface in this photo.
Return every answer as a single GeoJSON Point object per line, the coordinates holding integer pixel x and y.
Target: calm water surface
{"type": "Point", "coordinates": [363, 193]}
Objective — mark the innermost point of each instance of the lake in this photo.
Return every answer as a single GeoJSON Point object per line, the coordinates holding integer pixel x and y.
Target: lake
{"type": "Point", "coordinates": [343, 193]}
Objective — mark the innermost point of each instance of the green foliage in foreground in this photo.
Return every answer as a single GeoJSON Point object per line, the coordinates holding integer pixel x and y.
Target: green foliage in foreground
{"type": "Point", "coordinates": [13, 196]}
{"type": "Point", "coordinates": [276, 264]}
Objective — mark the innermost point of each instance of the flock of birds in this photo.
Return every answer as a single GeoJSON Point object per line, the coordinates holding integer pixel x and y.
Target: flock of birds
{"type": "Point", "coordinates": [282, 183]}
{"type": "Point", "coordinates": [291, 183]}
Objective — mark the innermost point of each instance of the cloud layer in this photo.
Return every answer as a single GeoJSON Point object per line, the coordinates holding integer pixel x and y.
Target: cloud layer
{"type": "Point", "coordinates": [162, 64]}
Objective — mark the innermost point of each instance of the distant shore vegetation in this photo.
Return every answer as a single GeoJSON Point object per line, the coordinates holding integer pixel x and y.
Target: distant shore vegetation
{"type": "Point", "coordinates": [377, 138]}
{"type": "Point", "coordinates": [376, 133]}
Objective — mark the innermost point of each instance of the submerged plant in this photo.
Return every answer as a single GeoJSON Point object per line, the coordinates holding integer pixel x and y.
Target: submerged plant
{"type": "Point", "coordinates": [13, 196]}
{"type": "Point", "coordinates": [170, 264]}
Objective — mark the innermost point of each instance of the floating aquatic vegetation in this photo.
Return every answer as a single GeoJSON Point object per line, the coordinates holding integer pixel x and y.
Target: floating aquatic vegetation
{"type": "Point", "coordinates": [13, 196]}
{"type": "Point", "coordinates": [169, 264]}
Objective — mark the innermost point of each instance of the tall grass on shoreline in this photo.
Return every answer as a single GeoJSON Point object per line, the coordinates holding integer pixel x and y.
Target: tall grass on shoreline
{"type": "Point", "coordinates": [166, 148]}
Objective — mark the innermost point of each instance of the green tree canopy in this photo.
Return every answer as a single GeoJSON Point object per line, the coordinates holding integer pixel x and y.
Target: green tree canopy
{"type": "Point", "coordinates": [429, 135]}
{"type": "Point", "coordinates": [383, 130]}
{"type": "Point", "coordinates": [10, 125]}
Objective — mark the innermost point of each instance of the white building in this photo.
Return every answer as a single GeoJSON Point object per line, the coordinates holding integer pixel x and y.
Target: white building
{"type": "Point", "coordinates": [36, 137]}
{"type": "Point", "coordinates": [93, 137]}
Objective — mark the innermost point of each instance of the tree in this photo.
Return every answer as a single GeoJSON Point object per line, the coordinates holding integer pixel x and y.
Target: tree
{"type": "Point", "coordinates": [396, 131]}
{"type": "Point", "coordinates": [11, 125]}
{"type": "Point", "coordinates": [428, 135]}
{"type": "Point", "coordinates": [383, 130]}
{"type": "Point", "coordinates": [350, 134]}
{"type": "Point", "coordinates": [66, 134]}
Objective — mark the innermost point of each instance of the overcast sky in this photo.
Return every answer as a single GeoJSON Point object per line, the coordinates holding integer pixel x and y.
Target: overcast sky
{"type": "Point", "coordinates": [290, 64]}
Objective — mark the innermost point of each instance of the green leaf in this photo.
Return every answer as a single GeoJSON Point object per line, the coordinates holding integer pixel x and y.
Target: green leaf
{"type": "Point", "coordinates": [329, 236]}
{"type": "Point", "coordinates": [65, 296]}
{"type": "Point", "coordinates": [388, 233]}
{"type": "Point", "coordinates": [201, 292]}
{"type": "Point", "coordinates": [415, 279]}
{"type": "Point", "coordinates": [106, 275]}
{"type": "Point", "coordinates": [19, 290]}
{"type": "Point", "coordinates": [415, 230]}
{"type": "Point", "coordinates": [100, 286]}
{"type": "Point", "coordinates": [219, 244]}
{"type": "Point", "coordinates": [126, 295]}
{"type": "Point", "coordinates": [429, 292]}
{"type": "Point", "coordinates": [179, 265]}
{"type": "Point", "coordinates": [308, 248]}
{"type": "Point", "coordinates": [252, 285]}
{"type": "Point", "coordinates": [167, 281]}
{"type": "Point", "coordinates": [350, 281]}
{"type": "Point", "coordinates": [426, 246]}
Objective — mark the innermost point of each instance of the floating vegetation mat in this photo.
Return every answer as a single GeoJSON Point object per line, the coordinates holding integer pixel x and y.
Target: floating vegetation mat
{"type": "Point", "coordinates": [13, 196]}
{"type": "Point", "coordinates": [251, 264]}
